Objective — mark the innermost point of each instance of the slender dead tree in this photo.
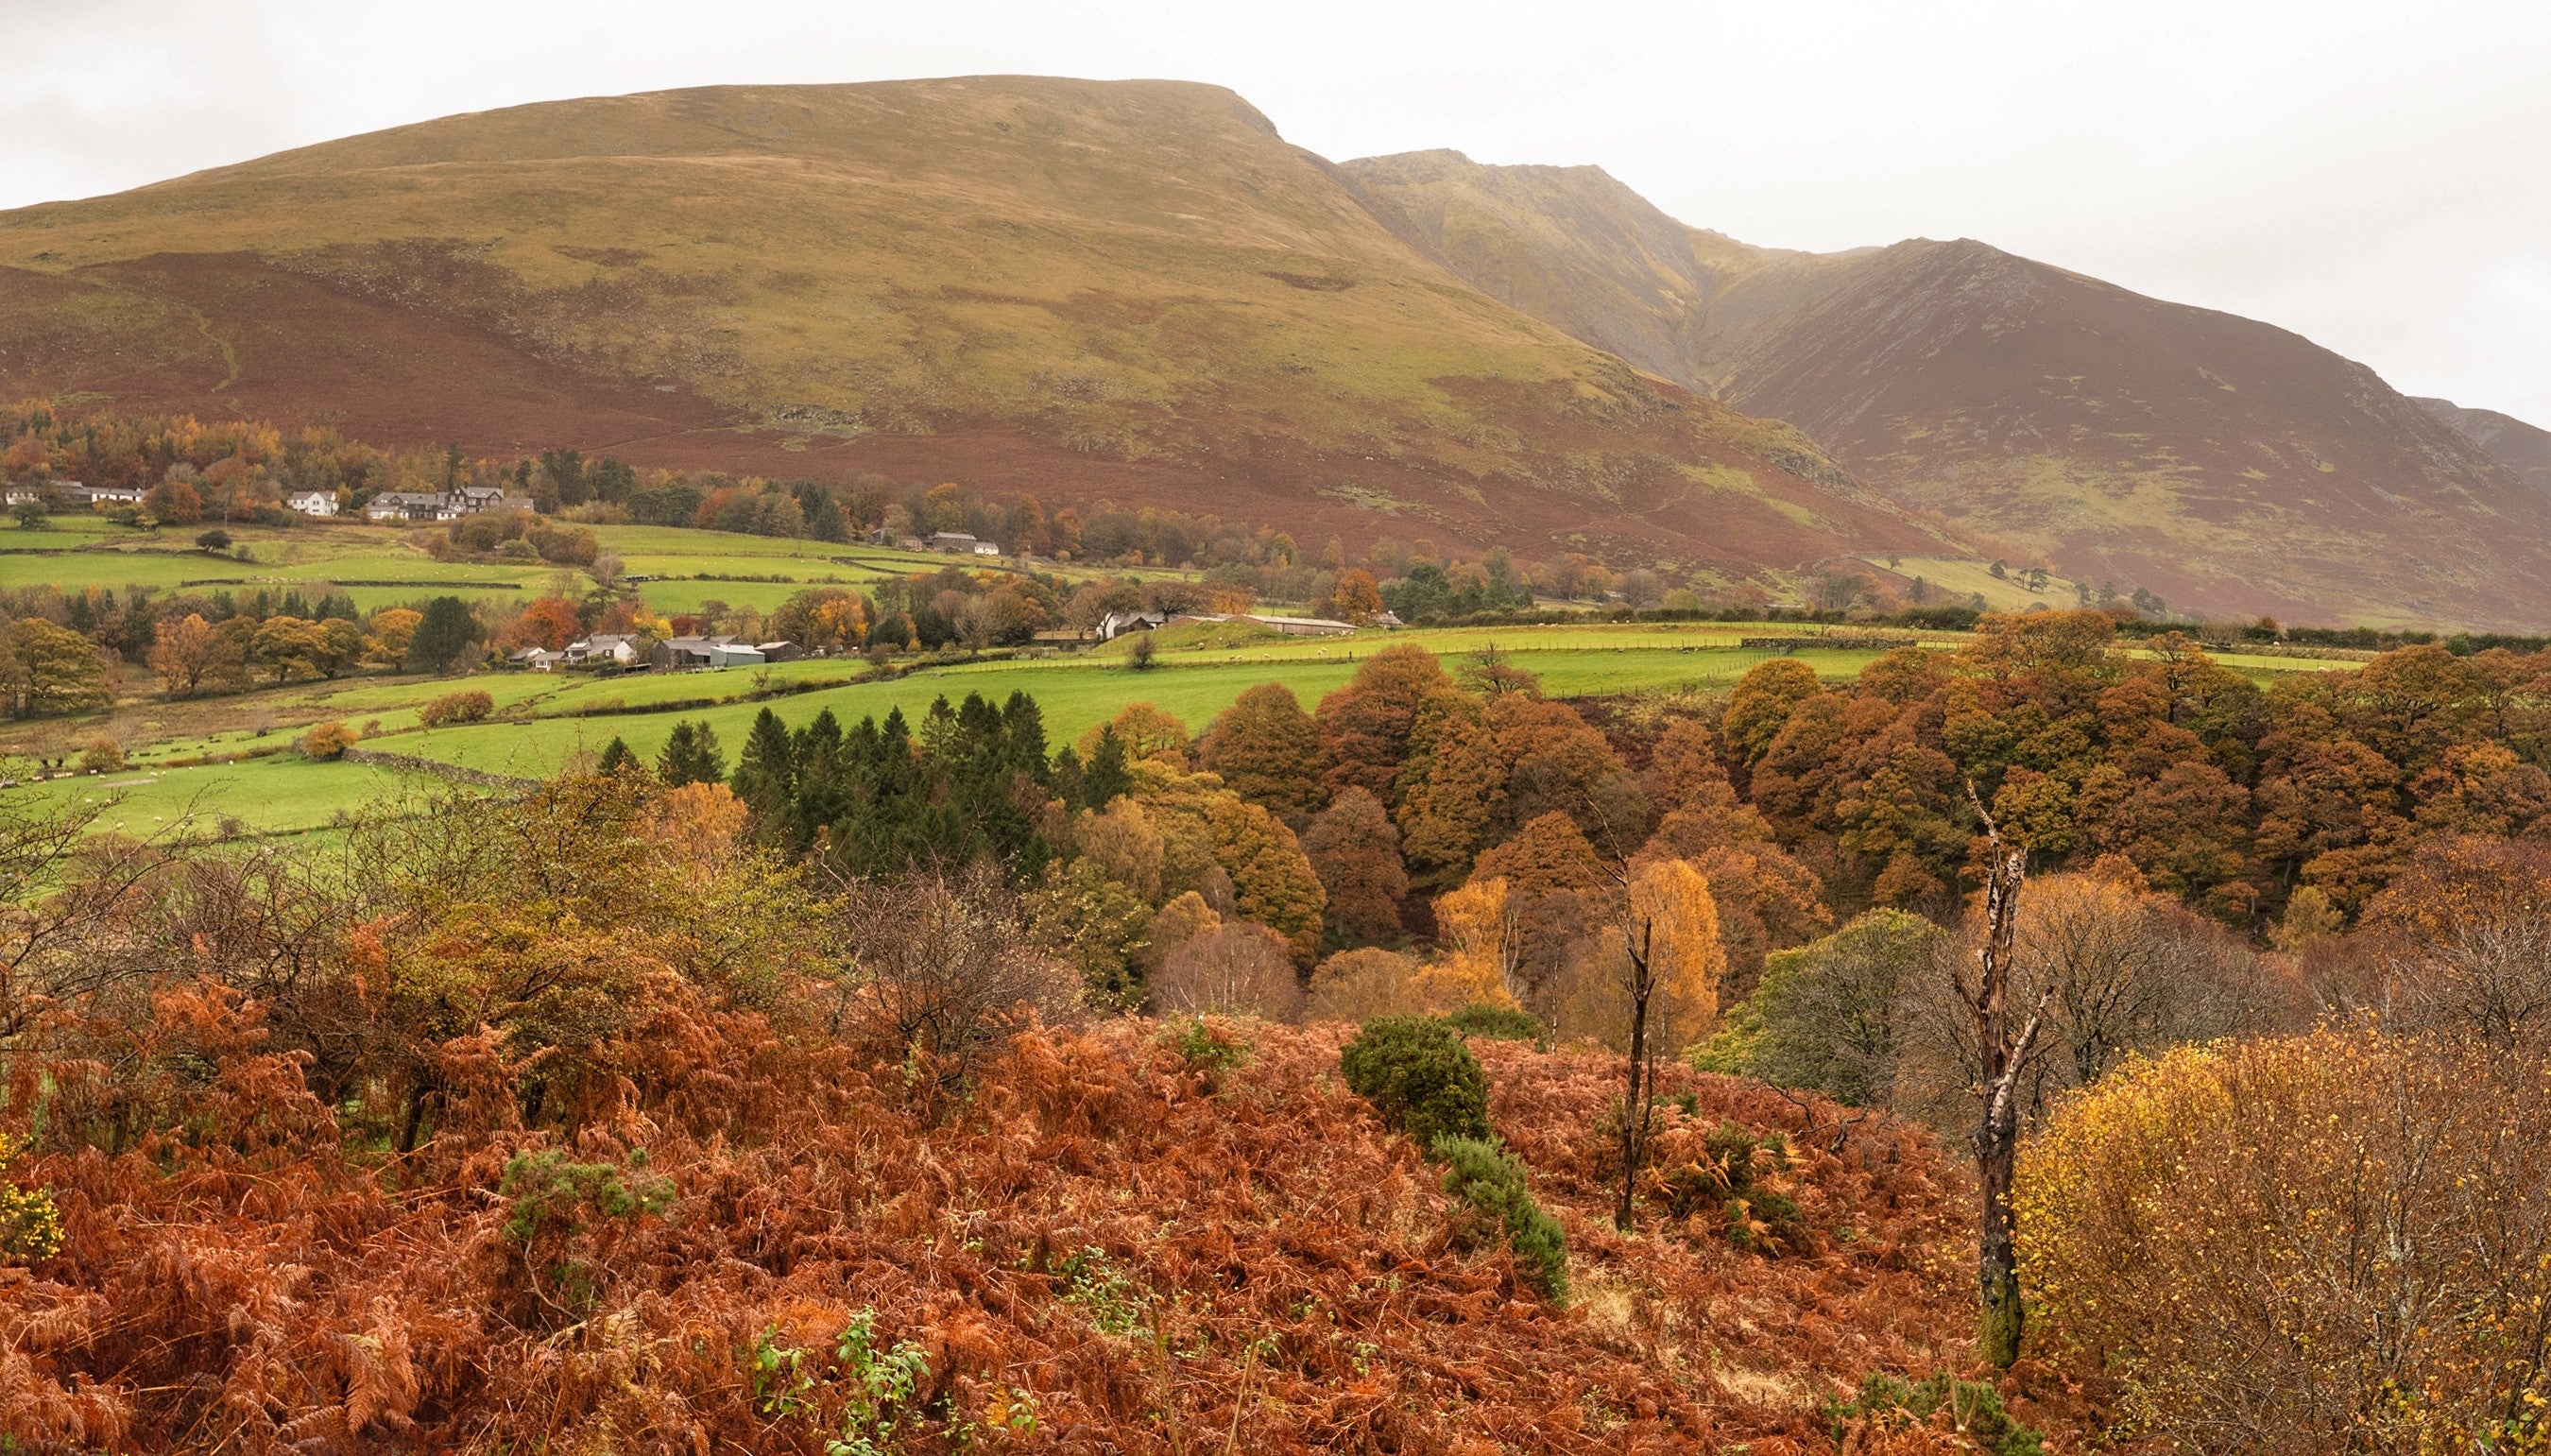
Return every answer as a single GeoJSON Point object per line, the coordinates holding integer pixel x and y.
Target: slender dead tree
{"type": "Point", "coordinates": [1638, 1108]}
{"type": "Point", "coordinates": [2002, 1055]}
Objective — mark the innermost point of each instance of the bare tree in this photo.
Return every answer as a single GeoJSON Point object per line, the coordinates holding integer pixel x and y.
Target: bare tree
{"type": "Point", "coordinates": [940, 965]}
{"type": "Point", "coordinates": [1238, 969]}
{"type": "Point", "coordinates": [2003, 1055]}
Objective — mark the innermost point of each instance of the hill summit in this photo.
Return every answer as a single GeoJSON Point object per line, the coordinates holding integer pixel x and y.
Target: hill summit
{"type": "Point", "coordinates": [1128, 289]}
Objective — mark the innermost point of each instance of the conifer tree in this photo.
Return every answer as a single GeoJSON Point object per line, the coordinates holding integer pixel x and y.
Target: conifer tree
{"type": "Point", "coordinates": [691, 756]}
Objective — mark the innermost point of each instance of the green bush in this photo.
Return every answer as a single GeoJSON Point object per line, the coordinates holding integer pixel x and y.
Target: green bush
{"type": "Point", "coordinates": [1419, 1076]}
{"type": "Point", "coordinates": [1493, 1183]}
{"type": "Point", "coordinates": [1210, 1047]}
{"type": "Point", "coordinates": [550, 1192]}
{"type": "Point", "coordinates": [1973, 1407]}
{"type": "Point", "coordinates": [1496, 1023]}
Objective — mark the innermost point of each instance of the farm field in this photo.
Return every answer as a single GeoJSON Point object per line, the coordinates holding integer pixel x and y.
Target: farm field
{"type": "Point", "coordinates": [282, 795]}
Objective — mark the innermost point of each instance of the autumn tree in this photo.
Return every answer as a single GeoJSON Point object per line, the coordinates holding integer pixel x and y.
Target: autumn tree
{"type": "Point", "coordinates": [1354, 848]}
{"type": "Point", "coordinates": [549, 622]}
{"type": "Point", "coordinates": [182, 652]}
{"type": "Point", "coordinates": [1365, 725]}
{"type": "Point", "coordinates": [2333, 1242]}
{"type": "Point", "coordinates": [1267, 750]}
{"type": "Point", "coordinates": [48, 670]}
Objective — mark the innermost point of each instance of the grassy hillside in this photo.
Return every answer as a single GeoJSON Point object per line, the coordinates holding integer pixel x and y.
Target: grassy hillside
{"type": "Point", "coordinates": [1134, 289]}
{"type": "Point", "coordinates": [2226, 465]}
{"type": "Point", "coordinates": [2522, 448]}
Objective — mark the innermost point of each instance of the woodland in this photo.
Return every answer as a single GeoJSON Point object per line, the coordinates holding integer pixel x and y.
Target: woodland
{"type": "Point", "coordinates": [1432, 1068]}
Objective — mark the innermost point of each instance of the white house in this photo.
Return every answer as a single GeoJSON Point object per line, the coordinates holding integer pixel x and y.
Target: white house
{"type": "Point", "coordinates": [1117, 624]}
{"type": "Point", "coordinates": [602, 647]}
{"type": "Point", "coordinates": [404, 505]}
{"type": "Point", "coordinates": [538, 659]}
{"type": "Point", "coordinates": [104, 495]}
{"type": "Point", "coordinates": [313, 502]}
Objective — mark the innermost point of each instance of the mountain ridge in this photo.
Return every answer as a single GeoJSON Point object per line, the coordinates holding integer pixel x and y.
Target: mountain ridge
{"type": "Point", "coordinates": [1135, 290]}
{"type": "Point", "coordinates": [2226, 463]}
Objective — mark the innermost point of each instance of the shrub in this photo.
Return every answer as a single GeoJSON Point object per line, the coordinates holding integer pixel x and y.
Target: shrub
{"type": "Point", "coordinates": [29, 1228]}
{"type": "Point", "coordinates": [215, 540]}
{"type": "Point", "coordinates": [1494, 1185]}
{"type": "Point", "coordinates": [2278, 1245]}
{"type": "Point", "coordinates": [1210, 1045]}
{"type": "Point", "coordinates": [1969, 1408]}
{"type": "Point", "coordinates": [1419, 1076]}
{"type": "Point", "coordinates": [1496, 1023]}
{"type": "Point", "coordinates": [471, 705]}
{"type": "Point", "coordinates": [327, 741]}
{"type": "Point", "coordinates": [102, 756]}
{"type": "Point", "coordinates": [553, 1194]}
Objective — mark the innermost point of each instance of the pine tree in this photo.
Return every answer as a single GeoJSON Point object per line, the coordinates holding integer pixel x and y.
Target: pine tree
{"type": "Point", "coordinates": [766, 775]}
{"type": "Point", "coordinates": [1106, 776]}
{"type": "Point", "coordinates": [616, 759]}
{"type": "Point", "coordinates": [691, 756]}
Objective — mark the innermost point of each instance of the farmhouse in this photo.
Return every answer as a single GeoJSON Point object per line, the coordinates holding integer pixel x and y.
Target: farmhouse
{"type": "Point", "coordinates": [537, 660]}
{"type": "Point", "coordinates": [1117, 624]}
{"type": "Point", "coordinates": [313, 502]}
{"type": "Point", "coordinates": [961, 543]}
{"type": "Point", "coordinates": [442, 505]}
{"type": "Point", "coordinates": [602, 647]}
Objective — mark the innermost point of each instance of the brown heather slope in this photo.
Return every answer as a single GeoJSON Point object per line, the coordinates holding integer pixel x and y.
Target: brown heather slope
{"type": "Point", "coordinates": [2522, 448]}
{"type": "Point", "coordinates": [1126, 289]}
{"type": "Point", "coordinates": [2229, 466]}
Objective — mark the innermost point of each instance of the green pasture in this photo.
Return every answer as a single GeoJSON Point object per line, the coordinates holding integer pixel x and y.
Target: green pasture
{"type": "Point", "coordinates": [1076, 693]}
{"type": "Point", "coordinates": [282, 795]}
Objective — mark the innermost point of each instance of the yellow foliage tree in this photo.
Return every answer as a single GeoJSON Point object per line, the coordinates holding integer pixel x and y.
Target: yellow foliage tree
{"type": "Point", "coordinates": [1477, 924]}
{"type": "Point", "coordinates": [1671, 906]}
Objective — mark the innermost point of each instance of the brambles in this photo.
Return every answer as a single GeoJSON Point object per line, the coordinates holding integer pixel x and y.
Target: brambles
{"type": "Point", "coordinates": [1419, 1076]}
{"type": "Point", "coordinates": [470, 705]}
{"type": "Point", "coordinates": [1492, 1183]}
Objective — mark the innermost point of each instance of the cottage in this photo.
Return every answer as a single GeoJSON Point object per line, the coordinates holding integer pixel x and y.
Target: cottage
{"type": "Point", "coordinates": [987, 548]}
{"type": "Point", "coordinates": [404, 505]}
{"type": "Point", "coordinates": [537, 660]}
{"type": "Point", "coordinates": [313, 502]}
{"type": "Point", "coordinates": [1117, 624]}
{"type": "Point", "coordinates": [102, 494]}
{"type": "Point", "coordinates": [958, 543]}
{"type": "Point", "coordinates": [601, 648]}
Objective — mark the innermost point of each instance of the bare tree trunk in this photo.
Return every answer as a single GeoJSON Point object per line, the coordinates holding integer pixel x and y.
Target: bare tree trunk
{"type": "Point", "coordinates": [2002, 1057]}
{"type": "Point", "coordinates": [1637, 1108]}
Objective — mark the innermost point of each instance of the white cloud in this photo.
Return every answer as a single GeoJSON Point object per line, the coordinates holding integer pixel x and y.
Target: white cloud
{"type": "Point", "coordinates": [2365, 174]}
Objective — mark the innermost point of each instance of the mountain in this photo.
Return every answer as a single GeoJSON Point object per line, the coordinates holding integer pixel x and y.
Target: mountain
{"type": "Point", "coordinates": [2224, 463]}
{"type": "Point", "coordinates": [2522, 448]}
{"type": "Point", "coordinates": [1133, 290]}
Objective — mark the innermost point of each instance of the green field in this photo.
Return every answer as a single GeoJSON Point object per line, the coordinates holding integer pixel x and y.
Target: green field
{"type": "Point", "coordinates": [282, 795]}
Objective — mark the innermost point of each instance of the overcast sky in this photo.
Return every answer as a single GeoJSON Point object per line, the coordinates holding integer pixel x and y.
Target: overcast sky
{"type": "Point", "coordinates": [2369, 175]}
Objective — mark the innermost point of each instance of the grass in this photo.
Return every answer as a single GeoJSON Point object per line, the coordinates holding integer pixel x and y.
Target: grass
{"type": "Point", "coordinates": [282, 795]}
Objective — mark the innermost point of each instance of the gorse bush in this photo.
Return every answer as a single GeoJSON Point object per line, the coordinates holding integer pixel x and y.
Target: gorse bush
{"type": "Point", "coordinates": [1496, 1023]}
{"type": "Point", "coordinates": [1493, 1181]}
{"type": "Point", "coordinates": [30, 1227]}
{"type": "Point", "coordinates": [1939, 1400]}
{"type": "Point", "coordinates": [552, 1194]}
{"type": "Point", "coordinates": [1419, 1076]}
